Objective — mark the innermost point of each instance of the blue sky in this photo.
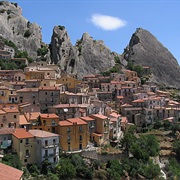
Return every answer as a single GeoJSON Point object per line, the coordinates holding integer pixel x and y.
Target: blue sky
{"type": "Point", "coordinates": [113, 21]}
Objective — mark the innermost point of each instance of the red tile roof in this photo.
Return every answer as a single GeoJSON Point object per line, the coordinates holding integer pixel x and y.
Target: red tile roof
{"type": "Point", "coordinates": [65, 123]}
{"type": "Point", "coordinates": [22, 133]}
{"type": "Point", "coordinates": [23, 120]}
{"type": "Point", "coordinates": [66, 106]}
{"type": "Point", "coordinates": [42, 134]}
{"type": "Point", "coordinates": [49, 116]}
{"type": "Point", "coordinates": [7, 131]}
{"type": "Point", "coordinates": [9, 173]}
{"type": "Point", "coordinates": [87, 118]}
{"type": "Point", "coordinates": [100, 116]}
{"type": "Point", "coordinates": [77, 120]}
{"type": "Point", "coordinates": [10, 110]}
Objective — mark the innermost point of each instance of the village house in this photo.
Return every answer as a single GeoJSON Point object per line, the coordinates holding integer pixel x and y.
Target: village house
{"type": "Point", "coordinates": [19, 76]}
{"type": "Point", "coordinates": [30, 95]}
{"type": "Point", "coordinates": [24, 144]}
{"type": "Point", "coordinates": [46, 146]}
{"type": "Point", "coordinates": [73, 134]}
{"type": "Point", "coordinates": [47, 122]}
{"type": "Point", "coordinates": [48, 97]}
{"type": "Point", "coordinates": [5, 139]}
{"type": "Point", "coordinates": [8, 75]}
{"type": "Point", "coordinates": [101, 134]}
{"type": "Point", "coordinates": [9, 117]}
{"type": "Point", "coordinates": [115, 125]}
{"type": "Point", "coordinates": [65, 111]}
{"type": "Point", "coordinates": [70, 82]}
{"type": "Point", "coordinates": [91, 123]}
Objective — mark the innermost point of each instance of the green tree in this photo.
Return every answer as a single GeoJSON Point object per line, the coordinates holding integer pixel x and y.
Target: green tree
{"type": "Point", "coordinates": [176, 148]}
{"type": "Point", "coordinates": [65, 169]}
{"type": "Point", "coordinates": [12, 160]}
{"type": "Point", "coordinates": [150, 170]}
{"type": "Point", "coordinates": [33, 170]}
{"type": "Point", "coordinates": [115, 170]}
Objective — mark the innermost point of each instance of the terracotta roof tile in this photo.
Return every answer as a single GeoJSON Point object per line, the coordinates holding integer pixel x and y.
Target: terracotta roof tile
{"type": "Point", "coordinates": [66, 106]}
{"type": "Point", "coordinates": [22, 134]}
{"type": "Point", "coordinates": [65, 123]}
{"type": "Point", "coordinates": [9, 173]}
{"type": "Point", "coordinates": [100, 116]}
{"type": "Point", "coordinates": [10, 110]}
{"type": "Point", "coordinates": [77, 120]}
{"type": "Point", "coordinates": [49, 116]}
{"type": "Point", "coordinates": [23, 120]}
{"type": "Point", "coordinates": [7, 131]}
{"type": "Point", "coordinates": [87, 118]}
{"type": "Point", "coordinates": [41, 133]}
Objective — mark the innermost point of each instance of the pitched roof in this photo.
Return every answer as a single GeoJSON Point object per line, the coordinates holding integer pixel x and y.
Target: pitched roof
{"type": "Point", "coordinates": [100, 116]}
{"type": "Point", "coordinates": [87, 118]}
{"type": "Point", "coordinates": [6, 131]}
{"type": "Point", "coordinates": [9, 173]}
{"type": "Point", "coordinates": [32, 115]}
{"type": "Point", "coordinates": [22, 133]}
{"type": "Point", "coordinates": [76, 120]}
{"type": "Point", "coordinates": [23, 120]}
{"type": "Point", "coordinates": [10, 110]}
{"type": "Point", "coordinates": [65, 123]}
{"type": "Point", "coordinates": [66, 106]}
{"type": "Point", "coordinates": [41, 133]}
{"type": "Point", "coordinates": [49, 116]}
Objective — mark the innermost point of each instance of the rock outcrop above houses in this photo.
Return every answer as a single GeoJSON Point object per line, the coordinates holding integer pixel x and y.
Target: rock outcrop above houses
{"type": "Point", "coordinates": [146, 50]}
{"type": "Point", "coordinates": [27, 36]}
{"type": "Point", "coordinates": [86, 56]}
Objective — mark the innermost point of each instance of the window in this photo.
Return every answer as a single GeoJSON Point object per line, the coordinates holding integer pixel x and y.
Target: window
{"type": "Point", "coordinates": [46, 142]}
{"type": "Point", "coordinates": [45, 93]}
{"type": "Point", "coordinates": [80, 128]}
{"type": "Point", "coordinates": [14, 116]}
{"type": "Point", "coordinates": [69, 138]}
{"type": "Point", "coordinates": [54, 141]}
{"type": "Point", "coordinates": [1, 125]}
{"type": "Point", "coordinates": [68, 129]}
{"type": "Point", "coordinates": [25, 160]}
{"type": "Point", "coordinates": [27, 141]}
{"type": "Point", "coordinates": [21, 141]}
{"type": "Point", "coordinates": [53, 122]}
{"type": "Point", "coordinates": [44, 122]}
{"type": "Point", "coordinates": [80, 137]}
{"type": "Point", "coordinates": [27, 153]}
{"type": "Point", "coordinates": [46, 152]}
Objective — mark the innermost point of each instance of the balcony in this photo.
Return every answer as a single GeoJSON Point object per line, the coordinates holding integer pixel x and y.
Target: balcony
{"type": "Point", "coordinates": [27, 144]}
{"type": "Point", "coordinates": [51, 155]}
{"type": "Point", "coordinates": [50, 146]}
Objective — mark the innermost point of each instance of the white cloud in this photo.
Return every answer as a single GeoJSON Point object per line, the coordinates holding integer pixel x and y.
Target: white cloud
{"type": "Point", "coordinates": [107, 23]}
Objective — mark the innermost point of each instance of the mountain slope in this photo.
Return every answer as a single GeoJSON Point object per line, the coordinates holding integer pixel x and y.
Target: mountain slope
{"type": "Point", "coordinates": [146, 50]}
{"type": "Point", "coordinates": [27, 36]}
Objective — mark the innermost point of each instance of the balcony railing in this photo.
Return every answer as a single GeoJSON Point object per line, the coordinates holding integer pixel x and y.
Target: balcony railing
{"type": "Point", "coordinates": [50, 145]}
{"type": "Point", "coordinates": [27, 155]}
{"type": "Point", "coordinates": [51, 155]}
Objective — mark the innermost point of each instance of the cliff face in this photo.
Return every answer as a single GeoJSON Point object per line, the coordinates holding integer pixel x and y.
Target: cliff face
{"type": "Point", "coordinates": [27, 36]}
{"type": "Point", "coordinates": [146, 50]}
{"type": "Point", "coordinates": [87, 56]}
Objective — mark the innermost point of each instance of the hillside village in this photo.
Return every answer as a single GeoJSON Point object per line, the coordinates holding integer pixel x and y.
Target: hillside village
{"type": "Point", "coordinates": [44, 112]}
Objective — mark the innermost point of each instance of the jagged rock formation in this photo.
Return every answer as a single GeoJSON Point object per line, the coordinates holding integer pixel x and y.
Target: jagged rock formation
{"type": "Point", "coordinates": [87, 56]}
{"type": "Point", "coordinates": [27, 36]}
{"type": "Point", "coordinates": [146, 50]}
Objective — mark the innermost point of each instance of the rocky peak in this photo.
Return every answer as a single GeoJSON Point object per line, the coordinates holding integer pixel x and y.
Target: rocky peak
{"type": "Point", "coordinates": [27, 36]}
{"type": "Point", "coordinates": [86, 56]}
{"type": "Point", "coordinates": [146, 50]}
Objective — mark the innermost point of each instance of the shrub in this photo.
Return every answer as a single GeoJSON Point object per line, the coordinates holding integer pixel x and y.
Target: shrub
{"type": "Point", "coordinates": [27, 33]}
